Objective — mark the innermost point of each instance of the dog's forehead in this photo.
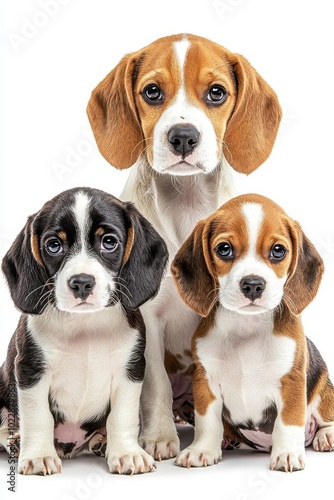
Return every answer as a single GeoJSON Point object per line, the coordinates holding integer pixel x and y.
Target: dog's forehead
{"type": "Point", "coordinates": [251, 218]}
{"type": "Point", "coordinates": [184, 57]}
{"type": "Point", "coordinates": [80, 210]}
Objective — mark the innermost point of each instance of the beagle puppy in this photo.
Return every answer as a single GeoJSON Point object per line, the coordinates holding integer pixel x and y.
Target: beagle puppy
{"type": "Point", "coordinates": [249, 271]}
{"type": "Point", "coordinates": [183, 111]}
{"type": "Point", "coordinates": [79, 271]}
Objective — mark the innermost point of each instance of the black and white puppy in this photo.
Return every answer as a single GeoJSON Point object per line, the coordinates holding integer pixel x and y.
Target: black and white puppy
{"type": "Point", "coordinates": [78, 271]}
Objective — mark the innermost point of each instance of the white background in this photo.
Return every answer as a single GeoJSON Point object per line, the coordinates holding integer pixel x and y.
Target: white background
{"type": "Point", "coordinates": [50, 62]}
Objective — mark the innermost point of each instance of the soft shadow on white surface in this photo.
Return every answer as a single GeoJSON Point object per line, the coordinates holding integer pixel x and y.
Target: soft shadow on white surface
{"type": "Point", "coordinates": [241, 475]}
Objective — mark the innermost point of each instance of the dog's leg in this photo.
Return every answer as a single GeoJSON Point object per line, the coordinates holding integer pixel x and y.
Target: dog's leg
{"type": "Point", "coordinates": [324, 438]}
{"type": "Point", "coordinates": [37, 451]}
{"type": "Point", "coordinates": [158, 432]}
{"type": "Point", "coordinates": [206, 448]}
{"type": "Point", "coordinates": [124, 455]}
{"type": "Point", "coordinates": [288, 450]}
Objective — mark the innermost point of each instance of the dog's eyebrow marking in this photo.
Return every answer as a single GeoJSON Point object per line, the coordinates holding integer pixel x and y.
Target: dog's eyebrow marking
{"type": "Point", "coordinates": [253, 213]}
{"type": "Point", "coordinates": [100, 231]}
{"type": "Point", "coordinates": [35, 249]}
{"type": "Point", "coordinates": [128, 246]}
{"type": "Point", "coordinates": [62, 235]}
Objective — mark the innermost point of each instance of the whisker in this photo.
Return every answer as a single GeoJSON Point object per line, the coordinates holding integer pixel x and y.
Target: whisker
{"type": "Point", "coordinates": [47, 283]}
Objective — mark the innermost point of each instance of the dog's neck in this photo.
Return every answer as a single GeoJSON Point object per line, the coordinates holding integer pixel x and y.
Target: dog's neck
{"type": "Point", "coordinates": [174, 204]}
{"type": "Point", "coordinates": [245, 326]}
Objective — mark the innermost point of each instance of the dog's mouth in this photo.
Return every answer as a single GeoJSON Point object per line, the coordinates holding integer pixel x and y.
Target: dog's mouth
{"type": "Point", "coordinates": [183, 167]}
{"type": "Point", "coordinates": [252, 308]}
{"type": "Point", "coordinates": [82, 307]}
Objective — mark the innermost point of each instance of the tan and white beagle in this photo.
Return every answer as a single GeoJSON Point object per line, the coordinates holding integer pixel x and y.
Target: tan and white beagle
{"type": "Point", "coordinates": [183, 110]}
{"type": "Point", "coordinates": [249, 270]}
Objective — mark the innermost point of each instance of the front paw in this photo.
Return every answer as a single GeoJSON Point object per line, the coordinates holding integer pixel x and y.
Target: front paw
{"type": "Point", "coordinates": [194, 457]}
{"type": "Point", "coordinates": [324, 439]}
{"type": "Point", "coordinates": [287, 461]}
{"type": "Point", "coordinates": [41, 466]}
{"type": "Point", "coordinates": [162, 447]}
{"type": "Point", "coordinates": [136, 461]}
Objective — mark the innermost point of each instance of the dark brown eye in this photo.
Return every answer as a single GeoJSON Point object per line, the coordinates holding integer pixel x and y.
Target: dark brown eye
{"type": "Point", "coordinates": [109, 243]}
{"type": "Point", "coordinates": [54, 246]}
{"type": "Point", "coordinates": [277, 253]}
{"type": "Point", "coordinates": [216, 95]}
{"type": "Point", "coordinates": [224, 251]}
{"type": "Point", "coordinates": [153, 94]}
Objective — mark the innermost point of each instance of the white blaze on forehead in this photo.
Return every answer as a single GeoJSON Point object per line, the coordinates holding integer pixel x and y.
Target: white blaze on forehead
{"type": "Point", "coordinates": [253, 213]}
{"type": "Point", "coordinates": [181, 49]}
{"type": "Point", "coordinates": [81, 215]}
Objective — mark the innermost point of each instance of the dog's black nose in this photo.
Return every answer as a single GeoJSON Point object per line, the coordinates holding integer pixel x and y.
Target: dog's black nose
{"type": "Point", "coordinates": [81, 285]}
{"type": "Point", "coordinates": [183, 138]}
{"type": "Point", "coordinates": [252, 287]}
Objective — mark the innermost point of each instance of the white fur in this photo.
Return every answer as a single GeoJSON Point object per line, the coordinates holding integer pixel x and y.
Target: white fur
{"type": "Point", "coordinates": [90, 350]}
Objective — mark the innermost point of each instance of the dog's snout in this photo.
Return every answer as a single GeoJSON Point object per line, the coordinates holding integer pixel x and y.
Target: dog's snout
{"type": "Point", "coordinates": [252, 287]}
{"type": "Point", "coordinates": [183, 139]}
{"type": "Point", "coordinates": [81, 285]}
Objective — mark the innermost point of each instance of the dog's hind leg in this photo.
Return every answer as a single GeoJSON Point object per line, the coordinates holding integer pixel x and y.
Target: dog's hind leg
{"type": "Point", "coordinates": [324, 438]}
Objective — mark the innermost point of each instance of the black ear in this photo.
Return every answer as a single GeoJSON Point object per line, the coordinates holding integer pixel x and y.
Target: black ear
{"type": "Point", "coordinates": [144, 261]}
{"type": "Point", "coordinates": [25, 275]}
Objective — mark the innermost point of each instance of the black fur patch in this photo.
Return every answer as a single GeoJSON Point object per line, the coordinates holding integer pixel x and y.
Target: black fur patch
{"type": "Point", "coordinates": [30, 361]}
{"type": "Point", "coordinates": [317, 367]}
{"type": "Point", "coordinates": [95, 424]}
{"type": "Point", "coordinates": [135, 367]}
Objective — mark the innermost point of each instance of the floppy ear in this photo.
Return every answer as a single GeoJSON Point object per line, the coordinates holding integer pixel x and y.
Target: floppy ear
{"type": "Point", "coordinates": [252, 128]}
{"type": "Point", "coordinates": [113, 117]}
{"type": "Point", "coordinates": [144, 261]}
{"type": "Point", "coordinates": [192, 271]}
{"type": "Point", "coordinates": [305, 274]}
{"type": "Point", "coordinates": [24, 271]}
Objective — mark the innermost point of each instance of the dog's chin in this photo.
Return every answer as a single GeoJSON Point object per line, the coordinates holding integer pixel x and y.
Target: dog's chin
{"type": "Point", "coordinates": [249, 309]}
{"type": "Point", "coordinates": [184, 169]}
{"type": "Point", "coordinates": [82, 308]}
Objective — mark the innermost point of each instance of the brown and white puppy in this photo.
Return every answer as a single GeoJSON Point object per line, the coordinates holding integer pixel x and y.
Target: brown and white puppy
{"type": "Point", "coordinates": [183, 110]}
{"type": "Point", "coordinates": [249, 270]}
{"type": "Point", "coordinates": [78, 271]}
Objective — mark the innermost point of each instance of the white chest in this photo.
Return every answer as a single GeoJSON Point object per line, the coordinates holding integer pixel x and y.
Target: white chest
{"type": "Point", "coordinates": [247, 363]}
{"type": "Point", "coordinates": [87, 358]}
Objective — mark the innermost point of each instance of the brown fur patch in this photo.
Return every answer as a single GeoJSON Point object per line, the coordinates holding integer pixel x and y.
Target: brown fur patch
{"type": "Point", "coordinates": [100, 231]}
{"type": "Point", "coordinates": [326, 405]}
{"type": "Point", "coordinates": [128, 246]}
{"type": "Point", "coordinates": [35, 249]}
{"type": "Point", "coordinates": [203, 395]}
{"type": "Point", "coordinates": [293, 384]}
{"type": "Point", "coordinates": [172, 363]}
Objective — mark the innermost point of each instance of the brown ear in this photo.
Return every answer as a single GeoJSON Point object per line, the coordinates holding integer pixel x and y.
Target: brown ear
{"type": "Point", "coordinates": [252, 128]}
{"type": "Point", "coordinates": [192, 271]}
{"type": "Point", "coordinates": [113, 117]}
{"type": "Point", "coordinates": [305, 274]}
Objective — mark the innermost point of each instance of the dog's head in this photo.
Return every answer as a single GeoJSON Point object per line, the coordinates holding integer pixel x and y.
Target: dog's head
{"type": "Point", "coordinates": [251, 257]}
{"type": "Point", "coordinates": [83, 251]}
{"type": "Point", "coordinates": [184, 102]}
